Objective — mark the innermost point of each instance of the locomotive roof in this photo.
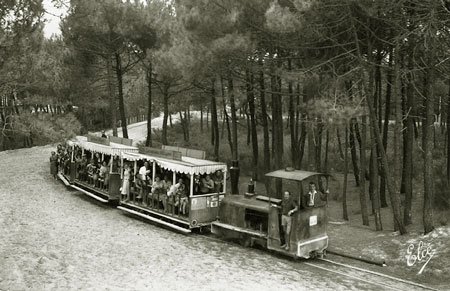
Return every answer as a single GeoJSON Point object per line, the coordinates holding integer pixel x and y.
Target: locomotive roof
{"type": "Point", "coordinates": [296, 175]}
{"type": "Point", "coordinates": [248, 203]}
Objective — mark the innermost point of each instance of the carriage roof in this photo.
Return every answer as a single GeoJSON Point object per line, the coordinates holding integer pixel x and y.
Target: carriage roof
{"type": "Point", "coordinates": [296, 175]}
{"type": "Point", "coordinates": [111, 149]}
{"type": "Point", "coordinates": [187, 165]}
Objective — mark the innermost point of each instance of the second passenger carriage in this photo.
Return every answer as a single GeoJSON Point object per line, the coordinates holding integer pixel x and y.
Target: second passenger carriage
{"type": "Point", "coordinates": [182, 192]}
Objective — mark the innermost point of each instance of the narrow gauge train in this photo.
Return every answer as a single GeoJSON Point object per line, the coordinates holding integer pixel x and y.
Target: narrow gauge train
{"type": "Point", "coordinates": [250, 218]}
{"type": "Point", "coordinates": [90, 150]}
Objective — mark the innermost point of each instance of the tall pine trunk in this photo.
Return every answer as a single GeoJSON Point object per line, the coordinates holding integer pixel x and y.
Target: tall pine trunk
{"type": "Point", "coordinates": [292, 120]}
{"type": "Point", "coordinates": [387, 114]}
{"type": "Point", "coordinates": [254, 135]}
{"type": "Point", "coordinates": [225, 113]}
{"type": "Point", "coordinates": [428, 125]}
{"type": "Point", "coordinates": [408, 134]}
{"type": "Point", "coordinates": [318, 143]}
{"type": "Point", "coordinates": [448, 135]}
{"type": "Point", "coordinates": [277, 127]}
{"type": "Point", "coordinates": [214, 121]}
{"type": "Point", "coordinates": [344, 188]}
{"type": "Point", "coordinates": [375, 194]}
{"type": "Point", "coordinates": [265, 124]}
{"type": "Point", "coordinates": [362, 182]}
{"type": "Point", "coordinates": [112, 96]}
{"type": "Point", "coordinates": [148, 141]}
{"type": "Point", "coordinates": [353, 121]}
{"type": "Point", "coordinates": [119, 74]}
{"type": "Point", "coordinates": [201, 117]}
{"type": "Point", "coordinates": [166, 114]}
{"type": "Point", "coordinates": [234, 134]}
{"type": "Point", "coordinates": [398, 117]}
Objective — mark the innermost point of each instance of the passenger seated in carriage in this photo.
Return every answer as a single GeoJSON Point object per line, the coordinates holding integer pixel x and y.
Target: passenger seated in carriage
{"type": "Point", "coordinates": [77, 166]}
{"type": "Point", "coordinates": [103, 175]}
{"type": "Point", "coordinates": [59, 150]}
{"type": "Point", "coordinates": [180, 191]}
{"type": "Point", "coordinates": [206, 185]}
{"type": "Point", "coordinates": [158, 189]}
{"type": "Point", "coordinates": [90, 168]}
{"type": "Point", "coordinates": [183, 198]}
{"type": "Point", "coordinates": [115, 164]}
{"type": "Point", "coordinates": [97, 158]}
{"type": "Point", "coordinates": [67, 158]}
{"type": "Point", "coordinates": [95, 173]}
{"type": "Point", "coordinates": [168, 192]}
{"type": "Point", "coordinates": [82, 168]}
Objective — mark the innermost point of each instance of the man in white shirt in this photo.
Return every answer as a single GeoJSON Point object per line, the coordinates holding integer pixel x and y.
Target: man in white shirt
{"type": "Point", "coordinates": [143, 173]}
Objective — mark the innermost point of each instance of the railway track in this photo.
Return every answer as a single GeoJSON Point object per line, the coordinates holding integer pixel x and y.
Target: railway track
{"type": "Point", "coordinates": [377, 280]}
{"type": "Point", "coordinates": [367, 277]}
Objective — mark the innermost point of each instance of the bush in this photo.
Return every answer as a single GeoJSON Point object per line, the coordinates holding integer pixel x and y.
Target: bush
{"type": "Point", "coordinates": [441, 189]}
{"type": "Point", "coordinates": [40, 129]}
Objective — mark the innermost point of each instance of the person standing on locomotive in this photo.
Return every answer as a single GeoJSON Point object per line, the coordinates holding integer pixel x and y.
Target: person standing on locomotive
{"type": "Point", "coordinates": [218, 181]}
{"type": "Point", "coordinates": [314, 196]}
{"type": "Point", "coordinates": [288, 208]}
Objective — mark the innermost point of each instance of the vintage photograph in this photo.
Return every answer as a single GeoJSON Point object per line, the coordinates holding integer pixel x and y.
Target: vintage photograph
{"type": "Point", "coordinates": [224, 145]}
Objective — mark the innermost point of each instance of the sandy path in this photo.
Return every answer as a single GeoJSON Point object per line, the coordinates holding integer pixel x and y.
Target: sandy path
{"type": "Point", "coordinates": [138, 131]}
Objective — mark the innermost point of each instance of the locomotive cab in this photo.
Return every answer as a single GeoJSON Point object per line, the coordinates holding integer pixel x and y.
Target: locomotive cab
{"type": "Point", "coordinates": [257, 219]}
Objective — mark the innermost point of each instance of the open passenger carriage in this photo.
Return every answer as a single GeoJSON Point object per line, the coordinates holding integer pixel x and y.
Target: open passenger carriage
{"type": "Point", "coordinates": [171, 194]}
{"type": "Point", "coordinates": [256, 219]}
{"type": "Point", "coordinates": [94, 166]}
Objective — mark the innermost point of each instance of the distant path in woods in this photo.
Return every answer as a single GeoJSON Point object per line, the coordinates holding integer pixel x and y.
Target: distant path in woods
{"type": "Point", "coordinates": [138, 131]}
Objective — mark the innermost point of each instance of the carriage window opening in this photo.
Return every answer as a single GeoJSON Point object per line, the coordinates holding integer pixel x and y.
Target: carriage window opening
{"type": "Point", "coordinates": [256, 220]}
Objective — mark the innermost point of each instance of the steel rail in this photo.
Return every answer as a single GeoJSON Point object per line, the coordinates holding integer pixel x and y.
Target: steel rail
{"type": "Point", "coordinates": [381, 284]}
{"type": "Point", "coordinates": [406, 282]}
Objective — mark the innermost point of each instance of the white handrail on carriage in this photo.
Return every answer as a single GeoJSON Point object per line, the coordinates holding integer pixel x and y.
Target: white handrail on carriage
{"type": "Point", "coordinates": [240, 229]}
{"type": "Point", "coordinates": [89, 194]}
{"type": "Point", "coordinates": [62, 178]}
{"type": "Point", "coordinates": [154, 211]}
{"type": "Point", "coordinates": [207, 194]}
{"type": "Point", "coordinates": [156, 220]}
